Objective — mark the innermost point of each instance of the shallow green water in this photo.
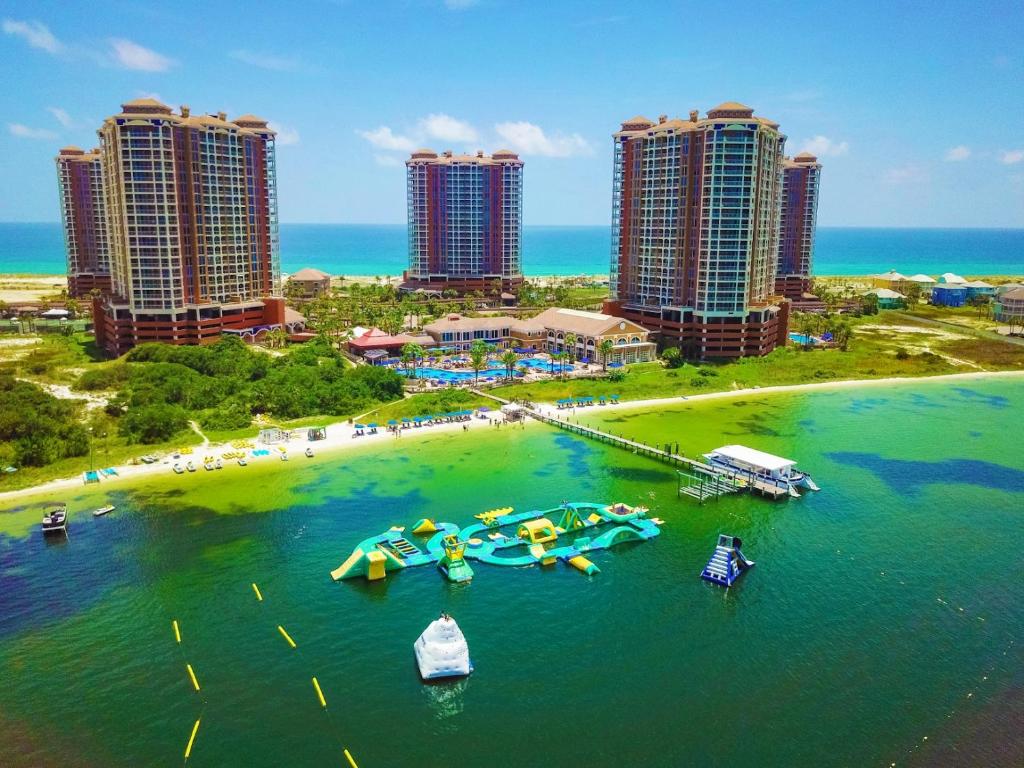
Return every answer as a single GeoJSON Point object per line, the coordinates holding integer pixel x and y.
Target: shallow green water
{"type": "Point", "coordinates": [876, 606]}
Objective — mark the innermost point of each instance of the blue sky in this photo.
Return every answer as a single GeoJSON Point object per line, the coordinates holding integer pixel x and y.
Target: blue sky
{"type": "Point", "coordinates": [916, 109]}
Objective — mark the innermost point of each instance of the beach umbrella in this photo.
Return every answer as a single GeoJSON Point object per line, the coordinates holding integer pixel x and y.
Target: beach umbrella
{"type": "Point", "coordinates": [392, 422]}
{"type": "Point", "coordinates": [406, 419]}
{"type": "Point", "coordinates": [360, 426]}
{"type": "Point", "coordinates": [373, 425]}
{"type": "Point", "coordinates": [483, 408]}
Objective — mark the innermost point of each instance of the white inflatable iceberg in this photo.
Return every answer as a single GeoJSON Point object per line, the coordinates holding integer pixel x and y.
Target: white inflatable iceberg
{"type": "Point", "coordinates": [441, 650]}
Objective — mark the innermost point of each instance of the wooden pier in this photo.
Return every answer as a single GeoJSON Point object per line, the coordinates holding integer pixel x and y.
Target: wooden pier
{"type": "Point", "coordinates": [709, 482]}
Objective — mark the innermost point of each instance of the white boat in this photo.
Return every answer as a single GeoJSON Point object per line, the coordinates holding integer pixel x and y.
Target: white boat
{"type": "Point", "coordinates": [190, 467]}
{"type": "Point", "coordinates": [178, 469]}
{"type": "Point", "coordinates": [103, 510]}
{"type": "Point", "coordinates": [242, 462]}
{"type": "Point", "coordinates": [218, 464]}
{"type": "Point", "coordinates": [55, 518]}
{"type": "Point", "coordinates": [766, 467]}
{"type": "Point", "coordinates": [284, 457]}
{"type": "Point", "coordinates": [441, 651]}
{"type": "Point", "coordinates": [309, 453]}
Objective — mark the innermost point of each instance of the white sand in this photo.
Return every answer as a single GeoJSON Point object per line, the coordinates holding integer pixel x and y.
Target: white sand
{"type": "Point", "coordinates": [339, 438]}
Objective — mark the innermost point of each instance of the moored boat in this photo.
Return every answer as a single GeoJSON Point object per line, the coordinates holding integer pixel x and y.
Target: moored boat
{"type": "Point", "coordinates": [55, 518]}
{"type": "Point", "coordinates": [178, 469]}
{"type": "Point", "coordinates": [751, 464]}
{"type": "Point", "coordinates": [309, 453]}
{"type": "Point", "coordinates": [242, 462]}
{"type": "Point", "coordinates": [190, 467]}
{"type": "Point", "coordinates": [218, 464]}
{"type": "Point", "coordinates": [103, 510]}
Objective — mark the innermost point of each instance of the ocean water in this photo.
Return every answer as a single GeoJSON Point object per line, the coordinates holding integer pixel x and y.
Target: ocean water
{"type": "Point", "coordinates": [383, 250]}
{"type": "Point", "coordinates": [880, 625]}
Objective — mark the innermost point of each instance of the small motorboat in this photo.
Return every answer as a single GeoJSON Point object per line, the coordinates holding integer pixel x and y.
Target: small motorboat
{"type": "Point", "coordinates": [242, 462]}
{"type": "Point", "coordinates": [103, 510]}
{"type": "Point", "coordinates": [55, 518]}
{"type": "Point", "coordinates": [218, 464]}
{"type": "Point", "coordinates": [441, 651]}
{"type": "Point", "coordinates": [190, 467]}
{"type": "Point", "coordinates": [284, 457]}
{"type": "Point", "coordinates": [178, 469]}
{"type": "Point", "coordinates": [309, 453]}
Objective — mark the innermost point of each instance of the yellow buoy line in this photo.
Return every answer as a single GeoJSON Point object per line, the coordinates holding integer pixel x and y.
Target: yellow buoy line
{"type": "Point", "coordinates": [316, 683]}
{"type": "Point", "coordinates": [195, 685]}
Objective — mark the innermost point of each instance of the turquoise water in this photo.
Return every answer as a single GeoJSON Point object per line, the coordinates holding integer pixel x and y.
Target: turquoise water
{"type": "Point", "coordinates": [383, 250]}
{"type": "Point", "coordinates": [885, 609]}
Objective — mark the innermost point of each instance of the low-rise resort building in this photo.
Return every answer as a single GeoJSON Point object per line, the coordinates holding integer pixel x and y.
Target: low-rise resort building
{"type": "Point", "coordinates": [310, 283]}
{"type": "Point", "coordinates": [1009, 304]}
{"type": "Point", "coordinates": [554, 331]}
{"type": "Point", "coordinates": [887, 299]}
{"type": "Point", "coordinates": [949, 295]}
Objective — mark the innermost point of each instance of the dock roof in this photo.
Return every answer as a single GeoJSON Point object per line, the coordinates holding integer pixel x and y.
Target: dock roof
{"type": "Point", "coordinates": [754, 457]}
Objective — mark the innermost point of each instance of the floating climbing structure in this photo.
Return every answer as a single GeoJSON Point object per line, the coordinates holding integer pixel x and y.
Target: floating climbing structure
{"type": "Point", "coordinates": [540, 537]}
{"type": "Point", "coordinates": [727, 563]}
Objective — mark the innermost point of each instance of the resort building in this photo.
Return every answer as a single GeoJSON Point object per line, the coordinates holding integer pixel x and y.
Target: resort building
{"type": "Point", "coordinates": [375, 344]}
{"type": "Point", "coordinates": [924, 281]}
{"type": "Point", "coordinates": [949, 295]}
{"type": "Point", "coordinates": [192, 214]}
{"type": "Point", "coordinates": [550, 331]}
{"type": "Point", "coordinates": [1009, 305]}
{"type": "Point", "coordinates": [952, 278]}
{"type": "Point", "coordinates": [799, 217]}
{"type": "Point", "coordinates": [977, 288]}
{"type": "Point", "coordinates": [464, 222]}
{"type": "Point", "coordinates": [887, 299]}
{"type": "Point", "coordinates": [892, 280]}
{"type": "Point", "coordinates": [310, 283]}
{"type": "Point", "coordinates": [695, 231]}
{"type": "Point", "coordinates": [590, 329]}
{"type": "Point", "coordinates": [83, 217]}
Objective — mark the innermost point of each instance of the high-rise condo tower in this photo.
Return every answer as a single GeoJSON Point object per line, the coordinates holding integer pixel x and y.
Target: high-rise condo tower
{"type": "Point", "coordinates": [464, 222]}
{"type": "Point", "coordinates": [695, 231]}
{"type": "Point", "coordinates": [83, 217]}
{"type": "Point", "coordinates": [192, 208]}
{"type": "Point", "coordinates": [800, 178]}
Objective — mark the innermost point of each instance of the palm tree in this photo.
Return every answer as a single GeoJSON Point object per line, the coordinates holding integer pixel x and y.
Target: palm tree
{"type": "Point", "coordinates": [569, 345]}
{"type": "Point", "coordinates": [606, 348]}
{"type": "Point", "coordinates": [478, 358]}
{"type": "Point", "coordinates": [509, 360]}
{"type": "Point", "coordinates": [412, 353]}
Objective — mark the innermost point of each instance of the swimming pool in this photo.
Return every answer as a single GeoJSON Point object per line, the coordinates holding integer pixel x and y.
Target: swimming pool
{"type": "Point", "coordinates": [442, 374]}
{"type": "Point", "coordinates": [802, 338]}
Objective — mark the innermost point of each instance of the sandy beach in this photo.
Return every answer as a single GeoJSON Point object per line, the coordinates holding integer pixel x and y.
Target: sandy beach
{"type": "Point", "coordinates": [340, 434]}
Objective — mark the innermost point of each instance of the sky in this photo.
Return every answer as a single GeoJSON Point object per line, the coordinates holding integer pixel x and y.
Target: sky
{"type": "Point", "coordinates": [916, 109]}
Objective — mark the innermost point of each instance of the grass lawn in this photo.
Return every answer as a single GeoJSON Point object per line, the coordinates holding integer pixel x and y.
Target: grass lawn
{"type": "Point", "coordinates": [427, 404]}
{"type": "Point", "coordinates": [875, 352]}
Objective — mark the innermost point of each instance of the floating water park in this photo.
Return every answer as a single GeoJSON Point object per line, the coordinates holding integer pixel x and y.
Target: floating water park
{"type": "Point", "coordinates": [566, 533]}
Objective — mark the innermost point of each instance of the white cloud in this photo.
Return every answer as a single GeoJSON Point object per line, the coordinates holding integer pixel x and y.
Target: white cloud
{"type": "Point", "coordinates": [35, 33]}
{"type": "Point", "coordinates": [823, 146]}
{"type": "Point", "coordinates": [458, 5]}
{"type": "Point", "coordinates": [62, 116]}
{"type": "Point", "coordinates": [134, 56]}
{"type": "Point", "coordinates": [286, 136]}
{"type": "Point", "coordinates": [530, 139]}
{"type": "Point", "coordinates": [24, 132]}
{"type": "Point", "coordinates": [388, 161]}
{"type": "Point", "coordinates": [266, 60]}
{"type": "Point", "coordinates": [384, 138]}
{"type": "Point", "coordinates": [447, 128]}
{"type": "Point", "coordinates": [1012, 156]}
{"type": "Point", "coordinates": [908, 174]}
{"type": "Point", "coordinates": [957, 153]}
